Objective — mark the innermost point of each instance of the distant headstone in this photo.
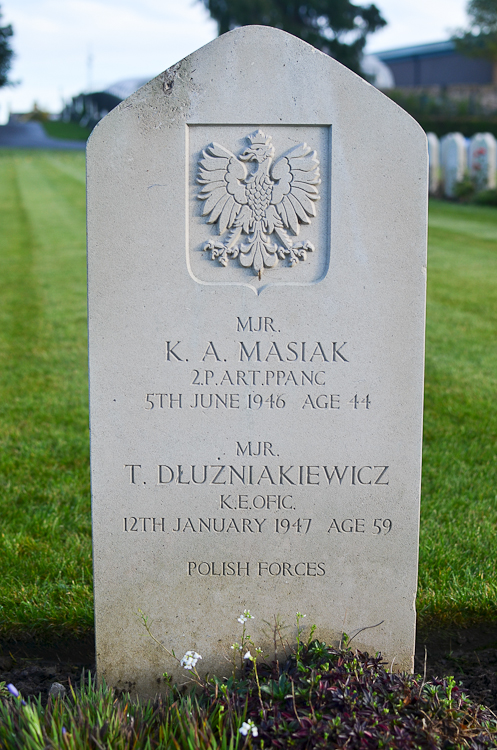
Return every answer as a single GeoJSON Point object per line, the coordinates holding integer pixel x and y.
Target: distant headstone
{"type": "Point", "coordinates": [454, 162]}
{"type": "Point", "coordinates": [257, 264]}
{"type": "Point", "coordinates": [443, 141]}
{"type": "Point", "coordinates": [482, 160]}
{"type": "Point", "coordinates": [433, 163]}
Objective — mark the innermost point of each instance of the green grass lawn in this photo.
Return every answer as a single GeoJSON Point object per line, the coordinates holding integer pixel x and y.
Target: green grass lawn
{"type": "Point", "coordinates": [458, 549]}
{"type": "Point", "coordinates": [45, 544]}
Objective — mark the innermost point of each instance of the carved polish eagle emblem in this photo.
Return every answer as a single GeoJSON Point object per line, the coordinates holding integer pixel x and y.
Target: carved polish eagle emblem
{"type": "Point", "coordinates": [258, 208]}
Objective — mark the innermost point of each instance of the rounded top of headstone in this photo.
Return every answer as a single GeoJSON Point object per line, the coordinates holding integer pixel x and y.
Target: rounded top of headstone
{"type": "Point", "coordinates": [257, 74]}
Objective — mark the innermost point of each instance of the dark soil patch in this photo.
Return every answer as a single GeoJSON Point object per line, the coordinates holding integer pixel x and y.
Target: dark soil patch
{"type": "Point", "coordinates": [469, 654]}
{"type": "Point", "coordinates": [33, 666]}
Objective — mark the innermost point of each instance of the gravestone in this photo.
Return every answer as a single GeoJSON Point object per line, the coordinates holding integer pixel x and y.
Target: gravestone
{"type": "Point", "coordinates": [433, 163]}
{"type": "Point", "coordinates": [482, 160]}
{"type": "Point", "coordinates": [454, 162]}
{"type": "Point", "coordinates": [256, 259]}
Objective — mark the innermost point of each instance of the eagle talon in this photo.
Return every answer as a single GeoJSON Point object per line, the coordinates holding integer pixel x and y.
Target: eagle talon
{"type": "Point", "coordinates": [214, 246]}
{"type": "Point", "coordinates": [220, 251]}
{"type": "Point", "coordinates": [296, 252]}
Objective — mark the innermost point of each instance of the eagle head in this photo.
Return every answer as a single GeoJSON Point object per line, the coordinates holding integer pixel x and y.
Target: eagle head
{"type": "Point", "coordinates": [261, 148]}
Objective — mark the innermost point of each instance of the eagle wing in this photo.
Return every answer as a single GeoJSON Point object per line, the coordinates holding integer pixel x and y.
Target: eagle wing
{"type": "Point", "coordinates": [222, 176]}
{"type": "Point", "coordinates": [295, 192]}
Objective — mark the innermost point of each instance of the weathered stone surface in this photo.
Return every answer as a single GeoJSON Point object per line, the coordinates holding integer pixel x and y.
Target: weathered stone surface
{"type": "Point", "coordinates": [256, 406]}
{"type": "Point", "coordinates": [482, 160]}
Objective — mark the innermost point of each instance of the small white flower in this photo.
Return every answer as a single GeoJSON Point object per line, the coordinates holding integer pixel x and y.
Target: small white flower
{"type": "Point", "coordinates": [190, 659]}
{"type": "Point", "coordinates": [248, 727]}
{"type": "Point", "coordinates": [246, 616]}
{"type": "Point", "coordinates": [248, 655]}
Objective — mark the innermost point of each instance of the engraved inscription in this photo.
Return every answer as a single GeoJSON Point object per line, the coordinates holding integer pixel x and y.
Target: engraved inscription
{"type": "Point", "coordinates": [221, 474]}
{"type": "Point", "coordinates": [262, 476]}
{"type": "Point", "coordinates": [143, 523]}
{"type": "Point", "coordinates": [268, 361]}
{"type": "Point", "coordinates": [220, 525]}
{"type": "Point", "coordinates": [253, 448]}
{"type": "Point", "coordinates": [270, 569]}
{"type": "Point", "coordinates": [264, 204]}
{"type": "Point", "coordinates": [258, 502]}
{"type": "Point", "coordinates": [263, 324]}
{"type": "Point", "coordinates": [358, 526]}
{"type": "Point", "coordinates": [230, 525]}
{"type": "Point", "coordinates": [255, 401]}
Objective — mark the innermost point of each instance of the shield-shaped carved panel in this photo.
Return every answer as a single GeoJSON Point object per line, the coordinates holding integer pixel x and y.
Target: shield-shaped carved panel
{"type": "Point", "coordinates": [259, 204]}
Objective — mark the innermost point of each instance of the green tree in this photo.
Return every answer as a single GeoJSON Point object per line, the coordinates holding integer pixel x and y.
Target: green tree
{"type": "Point", "coordinates": [6, 53]}
{"type": "Point", "coordinates": [480, 38]}
{"type": "Point", "coordinates": [336, 27]}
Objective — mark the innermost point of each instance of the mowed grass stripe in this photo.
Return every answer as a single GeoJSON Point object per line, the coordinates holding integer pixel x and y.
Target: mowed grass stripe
{"type": "Point", "coordinates": [474, 222]}
{"type": "Point", "coordinates": [44, 476]}
{"type": "Point", "coordinates": [57, 215]}
{"type": "Point", "coordinates": [45, 498]}
{"type": "Point", "coordinates": [70, 164]}
{"type": "Point", "coordinates": [16, 244]}
{"type": "Point", "coordinates": [458, 549]}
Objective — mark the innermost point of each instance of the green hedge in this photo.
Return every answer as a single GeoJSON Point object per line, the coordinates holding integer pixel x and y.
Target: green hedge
{"type": "Point", "coordinates": [468, 126]}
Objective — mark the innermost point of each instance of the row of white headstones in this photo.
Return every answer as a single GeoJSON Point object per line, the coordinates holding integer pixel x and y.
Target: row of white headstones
{"type": "Point", "coordinates": [453, 158]}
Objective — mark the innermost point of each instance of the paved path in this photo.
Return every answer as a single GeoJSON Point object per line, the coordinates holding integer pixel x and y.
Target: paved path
{"type": "Point", "coordinates": [31, 135]}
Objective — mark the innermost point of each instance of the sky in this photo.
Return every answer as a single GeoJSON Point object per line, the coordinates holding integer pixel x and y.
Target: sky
{"type": "Point", "coordinates": [64, 47]}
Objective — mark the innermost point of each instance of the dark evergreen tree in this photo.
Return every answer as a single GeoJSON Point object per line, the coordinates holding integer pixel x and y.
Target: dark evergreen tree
{"type": "Point", "coordinates": [480, 38]}
{"type": "Point", "coordinates": [6, 53]}
{"type": "Point", "coordinates": [336, 27]}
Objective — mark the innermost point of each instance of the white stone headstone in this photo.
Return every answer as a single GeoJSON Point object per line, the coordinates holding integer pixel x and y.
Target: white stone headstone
{"type": "Point", "coordinates": [482, 160]}
{"type": "Point", "coordinates": [443, 141]}
{"type": "Point", "coordinates": [454, 162]}
{"type": "Point", "coordinates": [256, 257]}
{"type": "Point", "coordinates": [434, 163]}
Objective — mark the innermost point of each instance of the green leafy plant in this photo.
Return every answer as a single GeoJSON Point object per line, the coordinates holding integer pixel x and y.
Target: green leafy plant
{"type": "Point", "coordinates": [319, 697]}
{"type": "Point", "coordinates": [188, 661]}
{"type": "Point", "coordinates": [6, 52]}
{"type": "Point", "coordinates": [465, 189]}
{"type": "Point", "coordinates": [486, 198]}
{"type": "Point", "coordinates": [480, 38]}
